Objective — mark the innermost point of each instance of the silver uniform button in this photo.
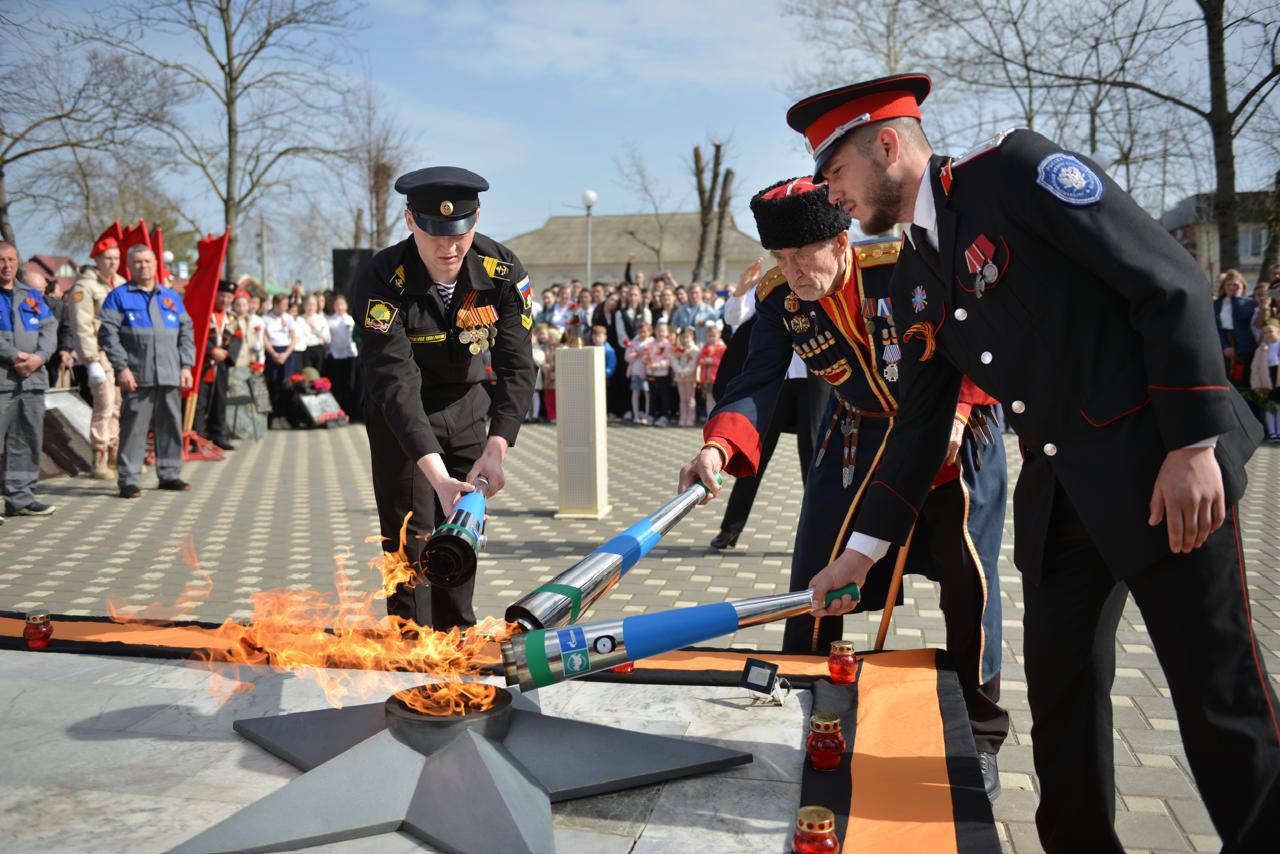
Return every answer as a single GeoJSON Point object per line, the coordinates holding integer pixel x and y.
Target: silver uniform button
{"type": "Point", "coordinates": [1018, 407]}
{"type": "Point", "coordinates": [961, 314]}
{"type": "Point", "coordinates": [1050, 449]}
{"type": "Point", "coordinates": [986, 357]}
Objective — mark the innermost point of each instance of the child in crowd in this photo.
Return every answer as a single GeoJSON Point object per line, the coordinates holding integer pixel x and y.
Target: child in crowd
{"type": "Point", "coordinates": [341, 357]}
{"type": "Point", "coordinates": [1265, 367]}
{"type": "Point", "coordinates": [539, 359]}
{"type": "Point", "coordinates": [657, 361]}
{"type": "Point", "coordinates": [600, 338]}
{"type": "Point", "coordinates": [637, 370]}
{"type": "Point", "coordinates": [253, 351]}
{"type": "Point", "coordinates": [709, 365]}
{"type": "Point", "coordinates": [549, 372]}
{"type": "Point", "coordinates": [684, 364]}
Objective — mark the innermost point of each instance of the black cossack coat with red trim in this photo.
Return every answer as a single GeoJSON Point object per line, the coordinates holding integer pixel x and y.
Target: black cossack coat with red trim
{"type": "Point", "coordinates": [1093, 328]}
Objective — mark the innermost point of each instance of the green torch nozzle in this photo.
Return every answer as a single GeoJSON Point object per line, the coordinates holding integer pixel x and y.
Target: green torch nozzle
{"type": "Point", "coordinates": [850, 589]}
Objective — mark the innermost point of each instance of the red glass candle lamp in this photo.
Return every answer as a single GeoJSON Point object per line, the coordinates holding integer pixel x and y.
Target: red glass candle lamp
{"type": "Point", "coordinates": [37, 631]}
{"type": "Point", "coordinates": [815, 831]}
{"type": "Point", "coordinates": [841, 663]}
{"type": "Point", "coordinates": [826, 741]}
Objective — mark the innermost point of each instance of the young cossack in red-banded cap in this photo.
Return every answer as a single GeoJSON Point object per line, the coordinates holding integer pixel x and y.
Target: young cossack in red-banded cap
{"type": "Point", "coordinates": [827, 118]}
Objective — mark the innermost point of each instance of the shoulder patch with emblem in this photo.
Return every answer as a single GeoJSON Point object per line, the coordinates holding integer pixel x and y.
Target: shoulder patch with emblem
{"type": "Point", "coordinates": [379, 314]}
{"type": "Point", "coordinates": [526, 292]}
{"type": "Point", "coordinates": [1068, 180]}
{"type": "Point", "coordinates": [769, 284]}
{"type": "Point", "coordinates": [397, 278]}
{"type": "Point", "coordinates": [78, 295]}
{"type": "Point", "coordinates": [495, 268]}
{"type": "Point", "coordinates": [983, 148]}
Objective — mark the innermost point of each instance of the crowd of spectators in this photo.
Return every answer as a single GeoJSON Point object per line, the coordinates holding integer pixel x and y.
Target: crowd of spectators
{"type": "Point", "coordinates": [663, 344]}
{"type": "Point", "coordinates": [1249, 333]}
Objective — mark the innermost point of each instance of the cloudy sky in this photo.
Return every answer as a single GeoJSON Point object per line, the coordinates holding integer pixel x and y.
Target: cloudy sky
{"type": "Point", "coordinates": [542, 98]}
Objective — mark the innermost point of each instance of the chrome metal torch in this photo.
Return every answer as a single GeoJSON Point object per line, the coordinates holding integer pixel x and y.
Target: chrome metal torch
{"type": "Point", "coordinates": [546, 656]}
{"type": "Point", "coordinates": [567, 597]}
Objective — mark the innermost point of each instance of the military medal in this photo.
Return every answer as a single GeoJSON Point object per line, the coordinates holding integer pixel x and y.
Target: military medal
{"type": "Point", "coordinates": [799, 324]}
{"type": "Point", "coordinates": [792, 302]}
{"type": "Point", "coordinates": [871, 326]}
{"type": "Point", "coordinates": [979, 259]}
{"type": "Point", "coordinates": [892, 353]}
{"type": "Point", "coordinates": [474, 347]}
{"type": "Point", "coordinates": [465, 336]}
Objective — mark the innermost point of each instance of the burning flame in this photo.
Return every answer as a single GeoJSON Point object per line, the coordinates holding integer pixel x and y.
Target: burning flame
{"type": "Point", "coordinates": [340, 640]}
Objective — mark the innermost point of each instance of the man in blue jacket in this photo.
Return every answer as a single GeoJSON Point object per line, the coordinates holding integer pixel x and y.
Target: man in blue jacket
{"type": "Point", "coordinates": [28, 335]}
{"type": "Point", "coordinates": [146, 333]}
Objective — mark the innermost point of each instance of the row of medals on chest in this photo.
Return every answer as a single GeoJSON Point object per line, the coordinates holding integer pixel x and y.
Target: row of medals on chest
{"type": "Point", "coordinates": [478, 338]}
{"type": "Point", "coordinates": [800, 323]}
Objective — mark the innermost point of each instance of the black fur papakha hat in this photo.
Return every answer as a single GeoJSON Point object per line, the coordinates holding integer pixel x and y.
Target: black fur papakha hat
{"type": "Point", "coordinates": [796, 212]}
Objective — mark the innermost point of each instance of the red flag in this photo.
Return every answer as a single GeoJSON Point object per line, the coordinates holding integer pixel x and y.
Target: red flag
{"type": "Point", "coordinates": [157, 245]}
{"type": "Point", "coordinates": [202, 287]}
{"type": "Point", "coordinates": [132, 236]}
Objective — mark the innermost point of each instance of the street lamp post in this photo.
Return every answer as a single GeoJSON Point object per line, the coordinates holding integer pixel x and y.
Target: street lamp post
{"type": "Point", "coordinates": [588, 200]}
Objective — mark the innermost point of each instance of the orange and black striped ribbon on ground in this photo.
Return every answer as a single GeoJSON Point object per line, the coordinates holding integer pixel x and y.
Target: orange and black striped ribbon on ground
{"type": "Point", "coordinates": [909, 779]}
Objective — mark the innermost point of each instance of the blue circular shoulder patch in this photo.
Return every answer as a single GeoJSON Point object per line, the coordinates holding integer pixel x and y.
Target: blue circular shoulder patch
{"type": "Point", "coordinates": [1069, 180]}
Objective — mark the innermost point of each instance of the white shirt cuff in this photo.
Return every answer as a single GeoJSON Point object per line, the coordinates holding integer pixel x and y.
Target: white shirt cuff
{"type": "Point", "coordinates": [1211, 442]}
{"type": "Point", "coordinates": [869, 546]}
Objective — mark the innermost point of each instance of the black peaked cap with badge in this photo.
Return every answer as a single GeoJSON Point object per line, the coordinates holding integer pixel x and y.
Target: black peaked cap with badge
{"type": "Point", "coordinates": [426, 348]}
{"type": "Point", "coordinates": [443, 200]}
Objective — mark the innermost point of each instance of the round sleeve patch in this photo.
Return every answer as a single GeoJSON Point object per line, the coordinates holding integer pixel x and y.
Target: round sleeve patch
{"type": "Point", "coordinates": [1069, 180]}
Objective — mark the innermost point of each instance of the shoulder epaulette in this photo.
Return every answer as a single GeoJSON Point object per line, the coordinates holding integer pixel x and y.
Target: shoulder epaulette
{"type": "Point", "coordinates": [877, 253]}
{"type": "Point", "coordinates": [769, 284]}
{"type": "Point", "coordinates": [983, 148]}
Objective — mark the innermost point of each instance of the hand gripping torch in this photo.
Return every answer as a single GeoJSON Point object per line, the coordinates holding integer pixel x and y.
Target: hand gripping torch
{"type": "Point", "coordinates": [449, 557]}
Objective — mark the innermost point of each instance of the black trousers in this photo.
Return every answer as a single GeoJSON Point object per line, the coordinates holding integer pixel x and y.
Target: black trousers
{"type": "Point", "coordinates": [276, 375]}
{"type": "Point", "coordinates": [939, 553]}
{"type": "Point", "coordinates": [312, 357]}
{"type": "Point", "coordinates": [661, 395]}
{"type": "Point", "coordinates": [343, 374]}
{"type": "Point", "coordinates": [801, 403]}
{"type": "Point", "coordinates": [400, 487]}
{"type": "Point", "coordinates": [1196, 609]}
{"type": "Point", "coordinates": [211, 404]}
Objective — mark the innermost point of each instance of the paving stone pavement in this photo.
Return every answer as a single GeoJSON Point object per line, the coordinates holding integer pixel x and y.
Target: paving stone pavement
{"type": "Point", "coordinates": [279, 511]}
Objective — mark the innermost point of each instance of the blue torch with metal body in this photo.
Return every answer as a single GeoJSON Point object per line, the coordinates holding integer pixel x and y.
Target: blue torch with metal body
{"type": "Point", "coordinates": [546, 656]}
{"type": "Point", "coordinates": [450, 554]}
{"type": "Point", "coordinates": [565, 598]}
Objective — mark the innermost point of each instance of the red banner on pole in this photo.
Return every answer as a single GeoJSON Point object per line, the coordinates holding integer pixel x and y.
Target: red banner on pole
{"type": "Point", "coordinates": [157, 246]}
{"type": "Point", "coordinates": [202, 287]}
{"type": "Point", "coordinates": [132, 236]}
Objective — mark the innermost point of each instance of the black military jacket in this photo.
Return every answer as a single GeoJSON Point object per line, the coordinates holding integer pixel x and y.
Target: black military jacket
{"type": "Point", "coordinates": [1058, 295]}
{"type": "Point", "coordinates": [415, 361]}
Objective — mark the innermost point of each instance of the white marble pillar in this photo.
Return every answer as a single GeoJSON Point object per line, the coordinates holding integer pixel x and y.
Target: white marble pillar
{"type": "Point", "coordinates": [580, 430]}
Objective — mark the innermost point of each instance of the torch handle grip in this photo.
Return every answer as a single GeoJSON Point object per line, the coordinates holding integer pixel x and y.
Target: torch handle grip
{"type": "Point", "coordinates": [850, 589]}
{"type": "Point", "coordinates": [482, 485]}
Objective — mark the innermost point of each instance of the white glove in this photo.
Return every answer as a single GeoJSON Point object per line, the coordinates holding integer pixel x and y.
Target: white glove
{"type": "Point", "coordinates": [97, 375]}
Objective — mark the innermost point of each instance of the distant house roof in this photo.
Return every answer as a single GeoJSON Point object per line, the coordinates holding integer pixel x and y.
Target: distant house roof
{"type": "Point", "coordinates": [59, 268]}
{"type": "Point", "coordinates": [1250, 207]}
{"type": "Point", "coordinates": [615, 238]}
